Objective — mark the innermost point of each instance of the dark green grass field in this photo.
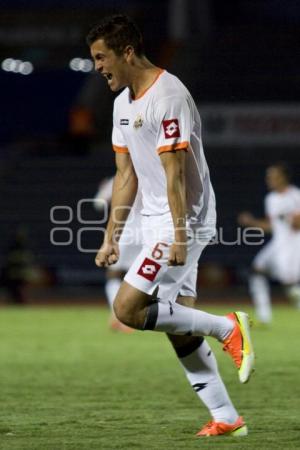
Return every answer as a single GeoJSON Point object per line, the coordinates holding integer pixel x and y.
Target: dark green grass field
{"type": "Point", "coordinates": [67, 382]}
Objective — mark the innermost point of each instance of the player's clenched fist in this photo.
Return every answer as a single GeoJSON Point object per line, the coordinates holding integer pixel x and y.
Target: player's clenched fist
{"type": "Point", "coordinates": [177, 255]}
{"type": "Point", "coordinates": [107, 255]}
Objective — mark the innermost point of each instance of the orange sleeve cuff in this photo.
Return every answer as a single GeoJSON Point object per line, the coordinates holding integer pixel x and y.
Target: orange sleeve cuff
{"type": "Point", "coordinates": [169, 148]}
{"type": "Point", "coordinates": [120, 149]}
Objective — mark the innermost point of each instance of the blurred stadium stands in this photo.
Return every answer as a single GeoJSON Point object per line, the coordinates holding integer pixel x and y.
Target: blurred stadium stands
{"type": "Point", "coordinates": [241, 53]}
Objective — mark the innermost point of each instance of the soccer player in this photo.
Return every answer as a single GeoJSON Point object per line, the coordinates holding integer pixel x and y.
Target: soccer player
{"type": "Point", "coordinates": [280, 258]}
{"type": "Point", "coordinates": [157, 140]}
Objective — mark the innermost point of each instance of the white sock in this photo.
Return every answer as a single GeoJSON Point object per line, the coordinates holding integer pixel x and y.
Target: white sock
{"type": "Point", "coordinates": [178, 319]}
{"type": "Point", "coordinates": [201, 370]}
{"type": "Point", "coordinates": [111, 289]}
{"type": "Point", "coordinates": [260, 291]}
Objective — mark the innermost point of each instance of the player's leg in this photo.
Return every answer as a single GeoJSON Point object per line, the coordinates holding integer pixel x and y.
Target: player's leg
{"type": "Point", "coordinates": [200, 367]}
{"type": "Point", "coordinates": [134, 304]}
{"type": "Point", "coordinates": [259, 286]}
{"type": "Point", "coordinates": [289, 270]}
{"type": "Point", "coordinates": [135, 307]}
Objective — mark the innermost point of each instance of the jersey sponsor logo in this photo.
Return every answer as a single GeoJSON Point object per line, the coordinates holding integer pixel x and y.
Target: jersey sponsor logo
{"type": "Point", "coordinates": [149, 269]}
{"type": "Point", "coordinates": [171, 128]}
{"type": "Point", "coordinates": [124, 121]}
{"type": "Point", "coordinates": [138, 123]}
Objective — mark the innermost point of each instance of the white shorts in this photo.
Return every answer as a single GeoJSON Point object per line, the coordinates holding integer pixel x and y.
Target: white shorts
{"type": "Point", "coordinates": [280, 260]}
{"type": "Point", "coordinates": [150, 268]}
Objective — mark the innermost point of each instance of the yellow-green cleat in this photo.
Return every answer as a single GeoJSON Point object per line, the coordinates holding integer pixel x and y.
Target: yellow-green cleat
{"type": "Point", "coordinates": [238, 344]}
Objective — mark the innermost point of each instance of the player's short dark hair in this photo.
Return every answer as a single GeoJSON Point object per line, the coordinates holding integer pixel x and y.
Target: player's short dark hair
{"type": "Point", "coordinates": [118, 31]}
{"type": "Point", "coordinates": [284, 168]}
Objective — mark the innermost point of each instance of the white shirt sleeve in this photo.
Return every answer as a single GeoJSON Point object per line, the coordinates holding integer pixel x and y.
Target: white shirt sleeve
{"type": "Point", "coordinates": [174, 121]}
{"type": "Point", "coordinates": [118, 141]}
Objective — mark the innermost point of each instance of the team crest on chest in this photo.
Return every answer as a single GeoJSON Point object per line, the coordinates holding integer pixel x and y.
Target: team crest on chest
{"type": "Point", "coordinates": [138, 123]}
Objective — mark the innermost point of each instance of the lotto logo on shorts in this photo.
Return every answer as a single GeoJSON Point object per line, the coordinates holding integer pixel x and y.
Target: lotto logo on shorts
{"type": "Point", "coordinates": [171, 128]}
{"type": "Point", "coordinates": [149, 269]}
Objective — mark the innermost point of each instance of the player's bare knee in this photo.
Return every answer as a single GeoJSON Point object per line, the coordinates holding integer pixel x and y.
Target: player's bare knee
{"type": "Point", "coordinates": [122, 311]}
{"type": "Point", "coordinates": [129, 312]}
{"type": "Point", "coordinates": [130, 306]}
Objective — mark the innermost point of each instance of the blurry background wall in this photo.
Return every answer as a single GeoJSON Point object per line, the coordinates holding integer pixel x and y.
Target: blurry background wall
{"type": "Point", "coordinates": [239, 58]}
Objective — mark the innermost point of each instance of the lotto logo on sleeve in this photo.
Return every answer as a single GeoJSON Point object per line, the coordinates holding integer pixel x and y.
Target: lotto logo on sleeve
{"type": "Point", "coordinates": [149, 269]}
{"type": "Point", "coordinates": [171, 128]}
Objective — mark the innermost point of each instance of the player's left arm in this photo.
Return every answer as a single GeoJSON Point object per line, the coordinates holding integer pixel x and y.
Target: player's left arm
{"type": "Point", "coordinates": [124, 191]}
{"type": "Point", "coordinates": [174, 165]}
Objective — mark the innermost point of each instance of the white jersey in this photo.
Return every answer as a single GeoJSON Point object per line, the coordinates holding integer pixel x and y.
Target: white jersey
{"type": "Point", "coordinates": [281, 256]}
{"type": "Point", "coordinates": [165, 118]}
{"type": "Point", "coordinates": [280, 207]}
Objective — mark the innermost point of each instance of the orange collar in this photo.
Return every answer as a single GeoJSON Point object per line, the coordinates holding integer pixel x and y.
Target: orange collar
{"type": "Point", "coordinates": [147, 89]}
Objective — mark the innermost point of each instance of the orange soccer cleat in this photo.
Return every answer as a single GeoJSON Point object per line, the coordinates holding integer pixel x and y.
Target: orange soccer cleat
{"type": "Point", "coordinates": [238, 345]}
{"type": "Point", "coordinates": [237, 429]}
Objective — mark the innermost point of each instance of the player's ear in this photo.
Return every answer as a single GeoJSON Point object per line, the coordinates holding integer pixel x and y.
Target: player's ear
{"type": "Point", "coordinates": [128, 53]}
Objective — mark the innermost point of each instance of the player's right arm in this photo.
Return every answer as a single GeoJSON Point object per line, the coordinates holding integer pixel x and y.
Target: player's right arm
{"type": "Point", "coordinates": [123, 195]}
{"type": "Point", "coordinates": [246, 219]}
{"type": "Point", "coordinates": [174, 167]}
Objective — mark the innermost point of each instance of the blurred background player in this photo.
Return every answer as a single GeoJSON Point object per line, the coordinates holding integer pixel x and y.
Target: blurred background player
{"type": "Point", "coordinates": [279, 258]}
{"type": "Point", "coordinates": [130, 246]}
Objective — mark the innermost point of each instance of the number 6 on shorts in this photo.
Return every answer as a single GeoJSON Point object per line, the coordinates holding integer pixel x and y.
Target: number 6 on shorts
{"type": "Point", "coordinates": [157, 252]}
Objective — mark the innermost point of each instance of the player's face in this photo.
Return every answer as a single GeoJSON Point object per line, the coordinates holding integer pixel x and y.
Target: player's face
{"type": "Point", "coordinates": [275, 179]}
{"type": "Point", "coordinates": [113, 67]}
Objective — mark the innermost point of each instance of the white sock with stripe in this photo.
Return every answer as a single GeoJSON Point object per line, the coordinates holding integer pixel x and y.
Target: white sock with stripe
{"type": "Point", "coordinates": [174, 318]}
{"type": "Point", "coordinates": [201, 370]}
